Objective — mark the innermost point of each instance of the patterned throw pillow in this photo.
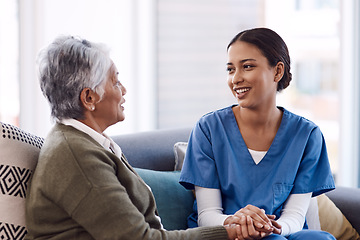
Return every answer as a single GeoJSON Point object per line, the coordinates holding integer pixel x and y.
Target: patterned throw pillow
{"type": "Point", "coordinates": [19, 152]}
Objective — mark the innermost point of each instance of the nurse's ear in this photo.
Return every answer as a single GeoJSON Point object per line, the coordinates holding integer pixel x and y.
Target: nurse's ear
{"type": "Point", "coordinates": [279, 71]}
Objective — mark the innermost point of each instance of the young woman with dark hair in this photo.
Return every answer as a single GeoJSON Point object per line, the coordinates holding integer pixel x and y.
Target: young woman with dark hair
{"type": "Point", "coordinates": [254, 163]}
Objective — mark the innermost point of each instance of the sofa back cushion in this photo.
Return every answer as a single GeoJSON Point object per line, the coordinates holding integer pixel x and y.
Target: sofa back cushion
{"type": "Point", "coordinates": [18, 158]}
{"type": "Point", "coordinates": [152, 149]}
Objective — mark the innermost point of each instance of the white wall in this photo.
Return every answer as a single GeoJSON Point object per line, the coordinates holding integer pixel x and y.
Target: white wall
{"type": "Point", "coordinates": [349, 93]}
{"type": "Point", "coordinates": [157, 71]}
{"type": "Point", "coordinates": [9, 96]}
{"type": "Point", "coordinates": [125, 26]}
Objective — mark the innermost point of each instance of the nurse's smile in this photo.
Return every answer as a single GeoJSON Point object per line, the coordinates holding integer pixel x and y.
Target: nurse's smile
{"type": "Point", "coordinates": [241, 92]}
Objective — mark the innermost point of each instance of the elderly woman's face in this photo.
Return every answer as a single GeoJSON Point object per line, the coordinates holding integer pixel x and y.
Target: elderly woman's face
{"type": "Point", "coordinates": [110, 108]}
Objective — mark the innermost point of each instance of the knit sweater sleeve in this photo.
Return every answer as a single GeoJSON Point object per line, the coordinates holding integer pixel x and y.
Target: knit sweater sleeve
{"type": "Point", "coordinates": [110, 214]}
{"type": "Point", "coordinates": [107, 199]}
{"type": "Point", "coordinates": [124, 208]}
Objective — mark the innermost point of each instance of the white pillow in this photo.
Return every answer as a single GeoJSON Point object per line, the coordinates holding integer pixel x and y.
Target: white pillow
{"type": "Point", "coordinates": [179, 151]}
{"type": "Point", "coordinates": [18, 157]}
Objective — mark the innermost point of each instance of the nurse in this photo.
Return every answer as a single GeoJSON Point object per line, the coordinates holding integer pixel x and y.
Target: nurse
{"type": "Point", "coordinates": [254, 163]}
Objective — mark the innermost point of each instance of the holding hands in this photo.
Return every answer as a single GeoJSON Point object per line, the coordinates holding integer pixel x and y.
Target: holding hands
{"type": "Point", "coordinates": [251, 222]}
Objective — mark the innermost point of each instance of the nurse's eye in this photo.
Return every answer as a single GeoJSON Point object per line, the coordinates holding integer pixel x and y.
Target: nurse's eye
{"type": "Point", "coordinates": [248, 66]}
{"type": "Point", "coordinates": [230, 69]}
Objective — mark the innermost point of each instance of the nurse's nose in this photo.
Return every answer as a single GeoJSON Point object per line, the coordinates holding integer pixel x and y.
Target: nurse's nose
{"type": "Point", "coordinates": [237, 78]}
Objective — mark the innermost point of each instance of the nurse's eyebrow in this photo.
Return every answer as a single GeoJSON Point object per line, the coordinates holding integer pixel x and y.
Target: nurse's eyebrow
{"type": "Point", "coordinates": [242, 61]}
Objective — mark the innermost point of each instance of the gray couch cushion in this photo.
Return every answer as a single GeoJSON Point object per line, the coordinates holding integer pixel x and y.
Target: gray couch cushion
{"type": "Point", "coordinates": [152, 150]}
{"type": "Point", "coordinates": [348, 200]}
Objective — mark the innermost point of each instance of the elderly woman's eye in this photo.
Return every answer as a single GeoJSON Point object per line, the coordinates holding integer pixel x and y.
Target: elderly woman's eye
{"type": "Point", "coordinates": [117, 84]}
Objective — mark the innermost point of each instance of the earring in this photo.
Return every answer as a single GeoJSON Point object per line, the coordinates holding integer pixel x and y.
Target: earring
{"type": "Point", "coordinates": [92, 108]}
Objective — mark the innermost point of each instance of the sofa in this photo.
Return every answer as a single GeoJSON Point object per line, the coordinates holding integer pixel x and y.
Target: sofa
{"type": "Point", "coordinates": [154, 155]}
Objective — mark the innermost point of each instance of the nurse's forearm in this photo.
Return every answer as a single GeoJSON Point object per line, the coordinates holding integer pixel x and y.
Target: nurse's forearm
{"type": "Point", "coordinates": [293, 214]}
{"type": "Point", "coordinates": [210, 211]}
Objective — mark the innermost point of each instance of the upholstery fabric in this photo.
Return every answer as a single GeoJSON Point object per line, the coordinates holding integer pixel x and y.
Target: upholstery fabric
{"type": "Point", "coordinates": [152, 149]}
{"type": "Point", "coordinates": [347, 199]}
{"type": "Point", "coordinates": [18, 158]}
{"type": "Point", "coordinates": [173, 201]}
{"type": "Point", "coordinates": [332, 220]}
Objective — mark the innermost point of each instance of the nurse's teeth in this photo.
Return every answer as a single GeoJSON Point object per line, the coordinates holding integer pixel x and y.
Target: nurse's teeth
{"type": "Point", "coordinates": [242, 90]}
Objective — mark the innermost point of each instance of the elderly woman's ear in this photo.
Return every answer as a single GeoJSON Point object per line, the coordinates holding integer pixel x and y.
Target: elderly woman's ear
{"type": "Point", "coordinates": [89, 98]}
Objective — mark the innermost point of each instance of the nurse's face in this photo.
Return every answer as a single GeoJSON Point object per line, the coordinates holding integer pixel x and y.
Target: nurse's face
{"type": "Point", "coordinates": [250, 77]}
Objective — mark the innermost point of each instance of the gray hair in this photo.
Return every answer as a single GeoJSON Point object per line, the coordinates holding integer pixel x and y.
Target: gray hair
{"type": "Point", "coordinates": [66, 67]}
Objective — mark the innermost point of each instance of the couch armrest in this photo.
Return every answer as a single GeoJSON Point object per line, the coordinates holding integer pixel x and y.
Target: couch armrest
{"type": "Point", "coordinates": [348, 201]}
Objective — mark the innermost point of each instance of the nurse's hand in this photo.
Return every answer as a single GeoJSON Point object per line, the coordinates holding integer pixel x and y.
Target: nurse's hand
{"type": "Point", "coordinates": [245, 230]}
{"type": "Point", "coordinates": [276, 225]}
{"type": "Point", "coordinates": [261, 221]}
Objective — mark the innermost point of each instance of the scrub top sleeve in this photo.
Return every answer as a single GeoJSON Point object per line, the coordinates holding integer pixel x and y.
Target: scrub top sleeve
{"type": "Point", "coordinates": [314, 174]}
{"type": "Point", "coordinates": [199, 166]}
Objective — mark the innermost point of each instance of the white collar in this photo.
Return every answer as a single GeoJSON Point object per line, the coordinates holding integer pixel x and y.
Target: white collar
{"type": "Point", "coordinates": [102, 139]}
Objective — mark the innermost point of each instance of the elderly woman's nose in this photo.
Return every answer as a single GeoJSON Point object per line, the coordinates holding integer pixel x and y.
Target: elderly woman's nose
{"type": "Point", "coordinates": [123, 90]}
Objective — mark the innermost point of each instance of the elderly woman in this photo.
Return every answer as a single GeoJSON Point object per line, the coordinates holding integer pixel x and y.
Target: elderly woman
{"type": "Point", "coordinates": [83, 187]}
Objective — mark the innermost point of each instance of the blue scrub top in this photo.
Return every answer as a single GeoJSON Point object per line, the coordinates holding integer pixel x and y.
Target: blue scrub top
{"type": "Point", "coordinates": [217, 157]}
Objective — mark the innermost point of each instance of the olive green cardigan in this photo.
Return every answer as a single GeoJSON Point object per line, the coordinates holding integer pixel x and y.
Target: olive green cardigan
{"type": "Point", "coordinates": [80, 191]}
